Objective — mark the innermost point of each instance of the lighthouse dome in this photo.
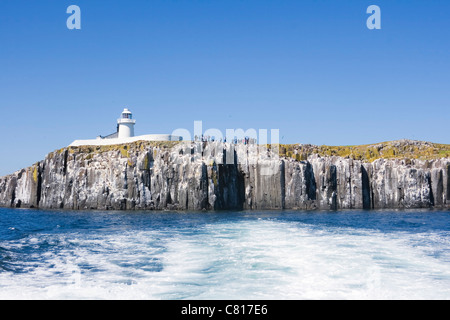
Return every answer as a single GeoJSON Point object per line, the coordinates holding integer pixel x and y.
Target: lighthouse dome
{"type": "Point", "coordinates": [126, 114]}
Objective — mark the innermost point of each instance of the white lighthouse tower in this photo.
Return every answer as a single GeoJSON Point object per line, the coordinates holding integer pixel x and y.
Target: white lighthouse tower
{"type": "Point", "coordinates": [126, 124]}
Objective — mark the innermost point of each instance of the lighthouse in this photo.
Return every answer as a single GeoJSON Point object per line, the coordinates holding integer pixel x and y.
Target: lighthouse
{"type": "Point", "coordinates": [126, 124]}
{"type": "Point", "coordinates": [124, 134]}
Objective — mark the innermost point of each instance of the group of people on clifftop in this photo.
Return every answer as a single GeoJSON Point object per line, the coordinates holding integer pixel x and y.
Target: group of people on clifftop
{"type": "Point", "coordinates": [235, 140]}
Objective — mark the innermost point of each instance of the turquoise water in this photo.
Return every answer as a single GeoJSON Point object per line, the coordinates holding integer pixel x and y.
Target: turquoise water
{"type": "Point", "coordinates": [224, 255]}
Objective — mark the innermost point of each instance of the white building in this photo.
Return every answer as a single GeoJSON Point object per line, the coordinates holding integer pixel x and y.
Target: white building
{"type": "Point", "coordinates": [126, 125]}
{"type": "Point", "coordinates": [124, 134]}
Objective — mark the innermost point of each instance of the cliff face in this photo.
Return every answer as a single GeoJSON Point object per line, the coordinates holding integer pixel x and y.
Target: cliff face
{"type": "Point", "coordinates": [215, 176]}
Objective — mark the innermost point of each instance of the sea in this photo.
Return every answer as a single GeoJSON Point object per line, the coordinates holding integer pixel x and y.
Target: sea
{"type": "Point", "coordinates": [249, 255]}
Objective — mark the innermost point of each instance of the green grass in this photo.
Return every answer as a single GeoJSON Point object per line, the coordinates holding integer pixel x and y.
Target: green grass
{"type": "Point", "coordinates": [406, 149]}
{"type": "Point", "coordinates": [125, 149]}
{"type": "Point", "coordinates": [370, 152]}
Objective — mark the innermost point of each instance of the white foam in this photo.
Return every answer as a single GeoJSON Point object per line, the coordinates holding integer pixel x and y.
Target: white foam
{"type": "Point", "coordinates": [254, 259]}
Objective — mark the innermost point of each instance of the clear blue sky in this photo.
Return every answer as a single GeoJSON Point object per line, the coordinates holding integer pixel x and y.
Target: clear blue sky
{"type": "Point", "coordinates": [309, 68]}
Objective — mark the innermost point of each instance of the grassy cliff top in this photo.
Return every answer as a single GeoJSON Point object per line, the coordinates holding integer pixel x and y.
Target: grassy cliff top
{"type": "Point", "coordinates": [410, 149]}
{"type": "Point", "coordinates": [134, 146]}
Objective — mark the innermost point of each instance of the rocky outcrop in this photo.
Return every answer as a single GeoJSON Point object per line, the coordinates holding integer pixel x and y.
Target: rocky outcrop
{"type": "Point", "coordinates": [219, 176]}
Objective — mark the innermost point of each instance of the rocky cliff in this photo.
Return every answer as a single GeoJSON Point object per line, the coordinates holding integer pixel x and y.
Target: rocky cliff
{"type": "Point", "coordinates": [216, 176]}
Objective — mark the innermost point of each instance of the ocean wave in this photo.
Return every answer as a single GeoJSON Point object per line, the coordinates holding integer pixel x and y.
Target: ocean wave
{"type": "Point", "coordinates": [219, 257]}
